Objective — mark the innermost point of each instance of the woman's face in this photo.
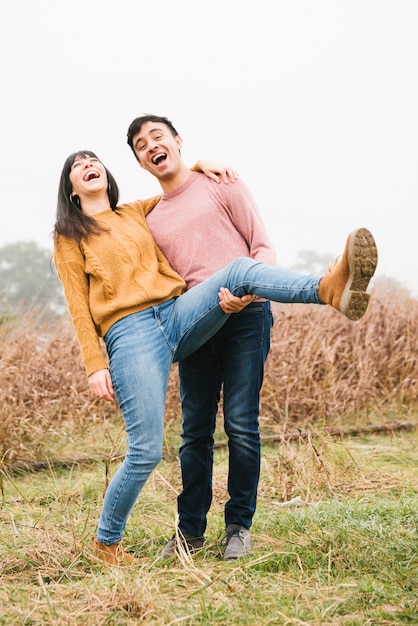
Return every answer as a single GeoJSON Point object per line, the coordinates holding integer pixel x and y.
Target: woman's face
{"type": "Point", "coordinates": [88, 177]}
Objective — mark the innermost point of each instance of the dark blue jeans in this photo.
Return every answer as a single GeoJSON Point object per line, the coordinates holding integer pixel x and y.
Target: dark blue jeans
{"type": "Point", "coordinates": [234, 358]}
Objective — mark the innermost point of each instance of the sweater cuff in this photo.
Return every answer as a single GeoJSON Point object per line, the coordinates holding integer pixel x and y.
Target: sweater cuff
{"type": "Point", "coordinates": [94, 365]}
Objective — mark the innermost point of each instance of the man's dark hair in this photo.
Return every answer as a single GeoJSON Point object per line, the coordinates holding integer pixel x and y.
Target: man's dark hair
{"type": "Point", "coordinates": [138, 122]}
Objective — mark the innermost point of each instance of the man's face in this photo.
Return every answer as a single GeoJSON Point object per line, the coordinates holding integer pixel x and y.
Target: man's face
{"type": "Point", "coordinates": [157, 150]}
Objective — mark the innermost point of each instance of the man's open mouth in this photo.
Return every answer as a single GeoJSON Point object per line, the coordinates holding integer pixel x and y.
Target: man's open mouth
{"type": "Point", "coordinates": [160, 157]}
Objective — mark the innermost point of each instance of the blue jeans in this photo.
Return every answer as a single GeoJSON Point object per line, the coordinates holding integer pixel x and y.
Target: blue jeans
{"type": "Point", "coordinates": [141, 348]}
{"type": "Point", "coordinates": [234, 358]}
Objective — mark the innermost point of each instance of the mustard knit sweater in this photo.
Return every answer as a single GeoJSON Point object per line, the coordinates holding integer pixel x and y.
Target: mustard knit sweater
{"type": "Point", "coordinates": [113, 274]}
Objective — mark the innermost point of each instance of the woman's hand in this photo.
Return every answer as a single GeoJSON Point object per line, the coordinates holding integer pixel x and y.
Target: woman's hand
{"type": "Point", "coordinates": [216, 171]}
{"type": "Point", "coordinates": [233, 304]}
{"type": "Point", "coordinates": [101, 386]}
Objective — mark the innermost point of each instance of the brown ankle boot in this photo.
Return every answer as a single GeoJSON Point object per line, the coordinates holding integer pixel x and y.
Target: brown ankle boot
{"type": "Point", "coordinates": [344, 287]}
{"type": "Point", "coordinates": [112, 555]}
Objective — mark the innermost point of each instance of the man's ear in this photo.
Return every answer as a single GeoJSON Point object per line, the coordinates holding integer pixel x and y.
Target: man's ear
{"type": "Point", "coordinates": [179, 142]}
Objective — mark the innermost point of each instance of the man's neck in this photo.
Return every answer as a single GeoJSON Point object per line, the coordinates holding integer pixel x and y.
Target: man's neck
{"type": "Point", "coordinates": [171, 184]}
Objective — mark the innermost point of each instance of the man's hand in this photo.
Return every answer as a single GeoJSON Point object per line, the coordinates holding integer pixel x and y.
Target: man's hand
{"type": "Point", "coordinates": [233, 304]}
{"type": "Point", "coordinates": [101, 385]}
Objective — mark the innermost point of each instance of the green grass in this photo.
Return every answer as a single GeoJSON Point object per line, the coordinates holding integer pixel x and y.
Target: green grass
{"type": "Point", "coordinates": [348, 556]}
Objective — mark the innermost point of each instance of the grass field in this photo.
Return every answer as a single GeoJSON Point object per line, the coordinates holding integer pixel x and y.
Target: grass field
{"type": "Point", "coordinates": [347, 555]}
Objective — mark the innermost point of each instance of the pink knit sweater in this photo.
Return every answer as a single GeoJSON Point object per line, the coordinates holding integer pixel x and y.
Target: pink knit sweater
{"type": "Point", "coordinates": [202, 226]}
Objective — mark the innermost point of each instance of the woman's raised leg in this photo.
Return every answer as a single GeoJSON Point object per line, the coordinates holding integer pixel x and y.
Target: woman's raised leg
{"type": "Point", "coordinates": [197, 314]}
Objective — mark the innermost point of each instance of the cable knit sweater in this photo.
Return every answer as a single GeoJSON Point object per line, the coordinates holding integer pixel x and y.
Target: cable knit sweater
{"type": "Point", "coordinates": [114, 274]}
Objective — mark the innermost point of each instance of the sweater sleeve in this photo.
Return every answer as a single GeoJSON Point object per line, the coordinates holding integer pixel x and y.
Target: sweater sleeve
{"type": "Point", "coordinates": [149, 204]}
{"type": "Point", "coordinates": [245, 215]}
{"type": "Point", "coordinates": [69, 263]}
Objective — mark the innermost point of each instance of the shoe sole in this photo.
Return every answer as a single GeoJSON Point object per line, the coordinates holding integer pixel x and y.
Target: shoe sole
{"type": "Point", "coordinates": [362, 261]}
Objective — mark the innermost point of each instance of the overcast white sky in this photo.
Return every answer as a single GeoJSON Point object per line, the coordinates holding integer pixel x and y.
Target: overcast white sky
{"type": "Point", "coordinates": [315, 103]}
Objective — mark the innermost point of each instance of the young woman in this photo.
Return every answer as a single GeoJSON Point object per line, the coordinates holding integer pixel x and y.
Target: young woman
{"type": "Point", "coordinates": [120, 287]}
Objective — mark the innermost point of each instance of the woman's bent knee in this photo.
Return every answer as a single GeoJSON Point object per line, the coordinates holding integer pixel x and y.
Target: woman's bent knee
{"type": "Point", "coordinates": [149, 459]}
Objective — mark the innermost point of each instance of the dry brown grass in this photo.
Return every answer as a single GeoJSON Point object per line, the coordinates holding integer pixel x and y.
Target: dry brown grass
{"type": "Point", "coordinates": [43, 388]}
{"type": "Point", "coordinates": [323, 371]}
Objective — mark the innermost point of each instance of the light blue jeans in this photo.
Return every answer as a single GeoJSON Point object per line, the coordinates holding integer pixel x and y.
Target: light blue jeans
{"type": "Point", "coordinates": [142, 348]}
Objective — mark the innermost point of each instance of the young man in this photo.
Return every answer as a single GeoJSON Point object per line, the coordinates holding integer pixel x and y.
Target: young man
{"type": "Point", "coordinates": [201, 226]}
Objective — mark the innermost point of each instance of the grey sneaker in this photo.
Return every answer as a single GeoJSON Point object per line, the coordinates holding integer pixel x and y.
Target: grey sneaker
{"type": "Point", "coordinates": [189, 543]}
{"type": "Point", "coordinates": [237, 541]}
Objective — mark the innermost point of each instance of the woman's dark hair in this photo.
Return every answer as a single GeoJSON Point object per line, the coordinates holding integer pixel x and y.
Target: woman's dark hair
{"type": "Point", "coordinates": [70, 220]}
